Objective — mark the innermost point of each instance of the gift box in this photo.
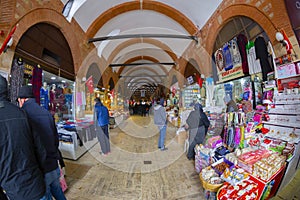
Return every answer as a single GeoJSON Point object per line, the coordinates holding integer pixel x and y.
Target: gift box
{"type": "Point", "coordinates": [287, 70]}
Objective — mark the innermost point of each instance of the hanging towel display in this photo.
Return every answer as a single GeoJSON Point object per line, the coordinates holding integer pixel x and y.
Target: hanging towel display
{"type": "Point", "coordinates": [235, 53]}
{"type": "Point", "coordinates": [227, 57]}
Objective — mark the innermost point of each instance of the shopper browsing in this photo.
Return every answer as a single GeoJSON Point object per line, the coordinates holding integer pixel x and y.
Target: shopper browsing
{"type": "Point", "coordinates": [197, 123]}
{"type": "Point", "coordinates": [101, 121]}
{"type": "Point", "coordinates": [160, 120]}
{"type": "Point", "coordinates": [21, 153]}
{"type": "Point", "coordinates": [42, 123]}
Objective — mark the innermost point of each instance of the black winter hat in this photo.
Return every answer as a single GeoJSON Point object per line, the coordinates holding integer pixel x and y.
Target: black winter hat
{"type": "Point", "coordinates": [3, 86]}
{"type": "Point", "coordinates": [26, 92]}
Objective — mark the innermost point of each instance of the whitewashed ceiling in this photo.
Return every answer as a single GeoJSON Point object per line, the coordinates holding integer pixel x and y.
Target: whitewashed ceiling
{"type": "Point", "coordinates": [85, 12]}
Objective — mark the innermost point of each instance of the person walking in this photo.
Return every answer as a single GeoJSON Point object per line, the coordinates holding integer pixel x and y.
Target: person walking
{"type": "Point", "coordinates": [21, 153]}
{"type": "Point", "coordinates": [160, 120]}
{"type": "Point", "coordinates": [42, 123]}
{"type": "Point", "coordinates": [197, 123]}
{"type": "Point", "coordinates": [101, 121]}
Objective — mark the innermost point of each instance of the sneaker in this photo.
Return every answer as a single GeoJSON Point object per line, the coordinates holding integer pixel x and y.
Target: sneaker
{"type": "Point", "coordinates": [164, 149]}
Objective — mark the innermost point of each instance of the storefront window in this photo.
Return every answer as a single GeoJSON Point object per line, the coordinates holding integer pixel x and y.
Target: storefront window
{"type": "Point", "coordinates": [57, 96]}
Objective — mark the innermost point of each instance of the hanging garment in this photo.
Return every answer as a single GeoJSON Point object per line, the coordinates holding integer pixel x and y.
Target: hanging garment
{"type": "Point", "coordinates": [227, 56]}
{"type": "Point", "coordinates": [235, 53]}
{"type": "Point", "coordinates": [242, 139]}
{"type": "Point", "coordinates": [237, 136]}
{"type": "Point", "coordinates": [36, 82]}
{"type": "Point", "coordinates": [16, 80]}
{"type": "Point", "coordinates": [242, 42]}
{"type": "Point", "coordinates": [261, 51]}
{"type": "Point", "coordinates": [44, 98]}
{"type": "Point", "coordinates": [253, 64]}
{"type": "Point", "coordinates": [230, 136]}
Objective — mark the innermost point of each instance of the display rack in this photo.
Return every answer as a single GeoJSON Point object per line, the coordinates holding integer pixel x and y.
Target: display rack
{"type": "Point", "coordinates": [284, 125]}
{"type": "Point", "coordinates": [76, 140]}
{"type": "Point", "coordinates": [190, 94]}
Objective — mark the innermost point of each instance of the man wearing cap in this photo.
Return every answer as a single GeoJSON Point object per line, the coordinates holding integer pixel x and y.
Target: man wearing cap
{"type": "Point", "coordinates": [42, 123]}
{"type": "Point", "coordinates": [21, 152]}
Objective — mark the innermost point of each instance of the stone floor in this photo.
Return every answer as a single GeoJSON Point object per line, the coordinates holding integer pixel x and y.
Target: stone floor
{"type": "Point", "coordinates": [135, 169]}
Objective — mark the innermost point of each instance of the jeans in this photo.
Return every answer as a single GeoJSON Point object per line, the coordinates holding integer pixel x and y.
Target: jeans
{"type": "Point", "coordinates": [103, 138]}
{"type": "Point", "coordinates": [53, 187]}
{"type": "Point", "coordinates": [162, 135]}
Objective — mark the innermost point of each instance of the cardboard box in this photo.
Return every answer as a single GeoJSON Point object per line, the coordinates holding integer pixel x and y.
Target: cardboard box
{"type": "Point", "coordinates": [287, 70]}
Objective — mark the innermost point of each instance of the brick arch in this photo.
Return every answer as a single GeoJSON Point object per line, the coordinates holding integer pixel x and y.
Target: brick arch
{"type": "Point", "coordinates": [55, 19]}
{"type": "Point", "coordinates": [136, 5]}
{"type": "Point", "coordinates": [228, 13]}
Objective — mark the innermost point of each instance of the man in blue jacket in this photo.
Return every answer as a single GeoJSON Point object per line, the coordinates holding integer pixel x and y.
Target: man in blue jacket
{"type": "Point", "coordinates": [42, 123]}
{"type": "Point", "coordinates": [21, 153]}
{"type": "Point", "coordinates": [101, 122]}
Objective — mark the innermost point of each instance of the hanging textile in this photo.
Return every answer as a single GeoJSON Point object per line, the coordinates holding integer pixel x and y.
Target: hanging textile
{"type": "Point", "coordinates": [36, 82]}
{"type": "Point", "coordinates": [16, 80]}
{"type": "Point", "coordinates": [261, 51]}
{"type": "Point", "coordinates": [227, 56]}
{"type": "Point", "coordinates": [242, 42]}
{"type": "Point", "coordinates": [235, 53]}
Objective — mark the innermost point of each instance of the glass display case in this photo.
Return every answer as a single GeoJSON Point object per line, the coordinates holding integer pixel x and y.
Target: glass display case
{"type": "Point", "coordinates": [191, 94]}
{"type": "Point", "coordinates": [242, 89]}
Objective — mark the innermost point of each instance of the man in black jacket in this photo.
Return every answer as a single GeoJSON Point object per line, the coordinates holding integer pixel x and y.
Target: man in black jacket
{"type": "Point", "coordinates": [42, 123]}
{"type": "Point", "coordinates": [21, 152]}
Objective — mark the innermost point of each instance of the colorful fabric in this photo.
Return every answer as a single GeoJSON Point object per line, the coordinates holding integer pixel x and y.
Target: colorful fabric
{"type": "Point", "coordinates": [227, 56]}
{"type": "Point", "coordinates": [44, 98]}
{"type": "Point", "coordinates": [242, 42]}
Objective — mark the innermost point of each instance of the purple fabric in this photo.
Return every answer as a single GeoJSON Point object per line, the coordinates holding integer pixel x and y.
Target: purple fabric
{"type": "Point", "coordinates": [242, 42]}
{"type": "Point", "coordinates": [36, 82]}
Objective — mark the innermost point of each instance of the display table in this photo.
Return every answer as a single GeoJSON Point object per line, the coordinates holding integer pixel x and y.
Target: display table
{"type": "Point", "coordinates": [76, 139]}
{"type": "Point", "coordinates": [263, 189]}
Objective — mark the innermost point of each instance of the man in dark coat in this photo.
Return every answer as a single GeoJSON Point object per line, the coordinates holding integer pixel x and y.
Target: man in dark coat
{"type": "Point", "coordinates": [21, 152]}
{"type": "Point", "coordinates": [42, 123]}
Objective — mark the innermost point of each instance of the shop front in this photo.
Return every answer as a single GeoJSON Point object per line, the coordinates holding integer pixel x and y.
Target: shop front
{"type": "Point", "coordinates": [255, 152]}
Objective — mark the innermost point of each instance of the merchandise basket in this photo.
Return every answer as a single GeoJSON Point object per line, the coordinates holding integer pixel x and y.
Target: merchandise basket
{"type": "Point", "coordinates": [208, 186]}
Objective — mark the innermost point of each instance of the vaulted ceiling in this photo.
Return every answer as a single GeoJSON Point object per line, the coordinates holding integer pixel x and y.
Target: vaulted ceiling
{"type": "Point", "coordinates": [101, 18]}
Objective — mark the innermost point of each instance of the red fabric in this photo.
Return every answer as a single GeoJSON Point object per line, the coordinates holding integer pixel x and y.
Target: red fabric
{"type": "Point", "coordinates": [199, 80]}
{"type": "Point", "coordinates": [89, 83]}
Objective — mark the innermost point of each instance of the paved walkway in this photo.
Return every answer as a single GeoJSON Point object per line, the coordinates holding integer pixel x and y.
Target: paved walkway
{"type": "Point", "coordinates": [136, 168]}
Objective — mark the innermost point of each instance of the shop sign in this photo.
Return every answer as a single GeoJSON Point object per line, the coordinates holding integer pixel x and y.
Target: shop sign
{"type": "Point", "coordinates": [231, 74]}
{"type": "Point", "coordinates": [28, 69]}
